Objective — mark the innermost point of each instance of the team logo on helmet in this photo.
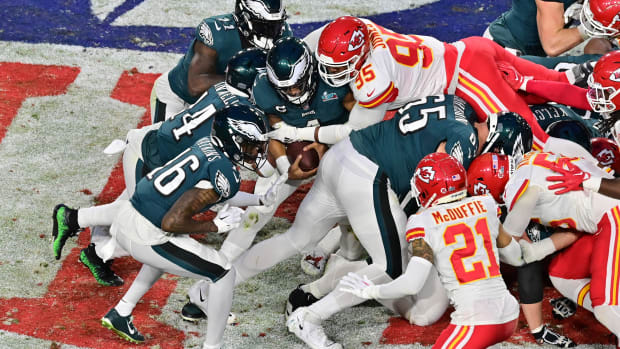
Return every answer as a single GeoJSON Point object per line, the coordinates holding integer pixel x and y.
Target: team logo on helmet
{"type": "Point", "coordinates": [481, 189]}
{"type": "Point", "coordinates": [615, 76]}
{"type": "Point", "coordinates": [426, 174]}
{"type": "Point", "coordinates": [357, 40]}
{"type": "Point", "coordinates": [605, 157]}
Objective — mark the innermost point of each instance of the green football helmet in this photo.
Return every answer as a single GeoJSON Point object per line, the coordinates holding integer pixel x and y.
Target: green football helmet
{"type": "Point", "coordinates": [240, 132]}
{"type": "Point", "coordinates": [261, 22]}
{"type": "Point", "coordinates": [572, 130]}
{"type": "Point", "coordinates": [243, 67]}
{"type": "Point", "coordinates": [291, 69]}
{"type": "Point", "coordinates": [509, 134]}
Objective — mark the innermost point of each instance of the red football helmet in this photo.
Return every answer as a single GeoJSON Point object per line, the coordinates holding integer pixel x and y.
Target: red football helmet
{"type": "Point", "coordinates": [607, 153]}
{"type": "Point", "coordinates": [601, 17]}
{"type": "Point", "coordinates": [343, 47]}
{"type": "Point", "coordinates": [604, 84]}
{"type": "Point", "coordinates": [488, 174]}
{"type": "Point", "coordinates": [439, 178]}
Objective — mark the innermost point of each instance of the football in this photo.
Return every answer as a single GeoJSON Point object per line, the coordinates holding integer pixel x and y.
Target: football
{"type": "Point", "coordinates": [310, 158]}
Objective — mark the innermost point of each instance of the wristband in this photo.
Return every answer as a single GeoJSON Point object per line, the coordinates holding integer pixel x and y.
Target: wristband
{"type": "Point", "coordinates": [283, 164]}
{"type": "Point", "coordinates": [592, 184]}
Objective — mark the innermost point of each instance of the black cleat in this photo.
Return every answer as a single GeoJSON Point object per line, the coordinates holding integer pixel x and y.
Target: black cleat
{"type": "Point", "coordinates": [100, 270]}
{"type": "Point", "coordinates": [563, 308]}
{"type": "Point", "coordinates": [298, 298]}
{"type": "Point", "coordinates": [122, 326]}
{"type": "Point", "coordinates": [64, 226]}
{"type": "Point", "coordinates": [548, 336]}
{"type": "Point", "coordinates": [192, 313]}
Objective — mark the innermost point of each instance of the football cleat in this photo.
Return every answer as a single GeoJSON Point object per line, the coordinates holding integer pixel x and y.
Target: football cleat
{"type": "Point", "coordinates": [101, 270]}
{"type": "Point", "coordinates": [313, 263]}
{"type": "Point", "coordinates": [122, 326]}
{"type": "Point", "coordinates": [563, 308]}
{"type": "Point", "coordinates": [65, 226]}
{"type": "Point", "coordinates": [192, 313]}
{"type": "Point", "coordinates": [298, 298]}
{"type": "Point", "coordinates": [312, 334]}
{"type": "Point", "coordinates": [549, 336]}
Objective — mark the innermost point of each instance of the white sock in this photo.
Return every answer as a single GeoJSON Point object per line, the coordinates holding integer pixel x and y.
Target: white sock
{"type": "Point", "coordinates": [98, 215]}
{"type": "Point", "coordinates": [609, 316]}
{"type": "Point", "coordinates": [219, 304]}
{"type": "Point", "coordinates": [143, 282]}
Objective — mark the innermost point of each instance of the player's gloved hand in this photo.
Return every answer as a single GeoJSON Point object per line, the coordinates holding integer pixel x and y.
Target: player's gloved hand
{"type": "Point", "coordinates": [569, 179]}
{"type": "Point", "coordinates": [359, 286]}
{"type": "Point", "coordinates": [284, 133]}
{"type": "Point", "coordinates": [228, 218]}
{"type": "Point", "coordinates": [512, 76]}
{"type": "Point", "coordinates": [271, 196]}
{"type": "Point", "coordinates": [581, 72]}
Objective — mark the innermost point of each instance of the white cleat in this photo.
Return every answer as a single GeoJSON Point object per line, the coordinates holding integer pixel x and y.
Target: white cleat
{"type": "Point", "coordinates": [312, 334]}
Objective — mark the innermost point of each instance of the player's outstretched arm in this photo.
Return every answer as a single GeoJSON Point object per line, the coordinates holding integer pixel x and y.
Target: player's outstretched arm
{"type": "Point", "coordinates": [201, 74]}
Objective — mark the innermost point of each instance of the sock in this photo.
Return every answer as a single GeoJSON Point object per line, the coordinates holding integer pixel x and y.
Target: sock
{"type": "Point", "coordinates": [219, 304]}
{"type": "Point", "coordinates": [99, 215]}
{"type": "Point", "coordinates": [143, 282]}
{"type": "Point", "coordinates": [609, 316]}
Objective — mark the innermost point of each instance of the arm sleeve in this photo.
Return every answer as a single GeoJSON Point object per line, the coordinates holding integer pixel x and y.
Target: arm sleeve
{"type": "Point", "coordinates": [244, 199]}
{"type": "Point", "coordinates": [559, 92]}
{"type": "Point", "coordinates": [521, 211]}
{"type": "Point", "coordinates": [359, 117]}
{"type": "Point", "coordinates": [409, 283]}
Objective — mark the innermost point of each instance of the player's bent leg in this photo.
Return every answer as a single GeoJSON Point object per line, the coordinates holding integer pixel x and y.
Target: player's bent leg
{"type": "Point", "coordinates": [313, 262]}
{"type": "Point", "coordinates": [429, 304]}
{"type": "Point", "coordinates": [576, 290]}
{"type": "Point", "coordinates": [478, 336]}
{"type": "Point", "coordinates": [219, 304]}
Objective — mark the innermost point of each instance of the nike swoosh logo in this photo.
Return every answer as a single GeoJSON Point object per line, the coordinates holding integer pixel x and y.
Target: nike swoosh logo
{"type": "Point", "coordinates": [370, 93]}
{"type": "Point", "coordinates": [217, 27]}
{"type": "Point", "coordinates": [131, 329]}
{"type": "Point", "coordinates": [201, 299]}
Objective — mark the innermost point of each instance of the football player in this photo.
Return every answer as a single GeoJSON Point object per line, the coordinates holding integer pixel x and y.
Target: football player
{"type": "Point", "coordinates": [254, 23]}
{"type": "Point", "coordinates": [382, 75]}
{"type": "Point", "coordinates": [151, 147]}
{"type": "Point", "coordinates": [529, 193]}
{"type": "Point", "coordinates": [463, 238]}
{"type": "Point", "coordinates": [154, 225]}
{"type": "Point", "coordinates": [291, 92]}
{"type": "Point", "coordinates": [360, 179]}
{"type": "Point", "coordinates": [545, 28]}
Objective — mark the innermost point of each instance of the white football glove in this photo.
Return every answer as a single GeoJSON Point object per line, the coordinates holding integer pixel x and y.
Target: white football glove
{"type": "Point", "coordinates": [271, 196]}
{"type": "Point", "coordinates": [359, 286]}
{"type": "Point", "coordinates": [284, 133]}
{"type": "Point", "coordinates": [228, 218]}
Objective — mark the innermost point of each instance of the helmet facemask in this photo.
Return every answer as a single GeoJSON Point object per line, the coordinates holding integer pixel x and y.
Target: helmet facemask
{"type": "Point", "coordinates": [600, 98]}
{"type": "Point", "coordinates": [594, 27]}
{"type": "Point", "coordinates": [338, 74]}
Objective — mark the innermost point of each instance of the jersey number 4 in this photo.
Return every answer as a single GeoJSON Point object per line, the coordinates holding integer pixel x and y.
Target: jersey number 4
{"type": "Point", "coordinates": [467, 263]}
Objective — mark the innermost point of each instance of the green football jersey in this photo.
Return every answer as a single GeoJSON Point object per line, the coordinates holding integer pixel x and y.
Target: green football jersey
{"type": "Point", "coordinates": [201, 166]}
{"type": "Point", "coordinates": [517, 27]}
{"type": "Point", "coordinates": [398, 144]}
{"type": "Point", "coordinates": [220, 33]}
{"type": "Point", "coordinates": [182, 131]}
{"type": "Point", "coordinates": [546, 114]}
{"type": "Point", "coordinates": [325, 107]}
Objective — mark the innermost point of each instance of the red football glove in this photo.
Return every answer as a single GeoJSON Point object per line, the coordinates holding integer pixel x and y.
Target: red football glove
{"type": "Point", "coordinates": [511, 75]}
{"type": "Point", "coordinates": [569, 179]}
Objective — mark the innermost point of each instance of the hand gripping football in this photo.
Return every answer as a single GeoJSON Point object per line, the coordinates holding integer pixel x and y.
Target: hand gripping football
{"type": "Point", "coordinates": [310, 158]}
